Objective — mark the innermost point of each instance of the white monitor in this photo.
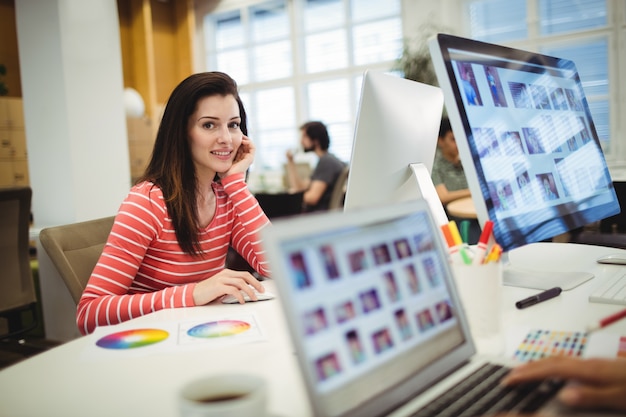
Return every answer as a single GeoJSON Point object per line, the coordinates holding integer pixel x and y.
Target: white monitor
{"type": "Point", "coordinates": [394, 143]}
{"type": "Point", "coordinates": [528, 144]}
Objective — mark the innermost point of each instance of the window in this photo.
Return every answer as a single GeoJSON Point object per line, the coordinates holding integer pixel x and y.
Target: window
{"type": "Point", "coordinates": [580, 31]}
{"type": "Point", "coordinates": [301, 60]}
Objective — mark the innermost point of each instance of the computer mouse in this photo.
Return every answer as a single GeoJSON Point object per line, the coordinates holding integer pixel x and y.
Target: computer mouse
{"type": "Point", "coordinates": [261, 296]}
{"type": "Point", "coordinates": [613, 258]}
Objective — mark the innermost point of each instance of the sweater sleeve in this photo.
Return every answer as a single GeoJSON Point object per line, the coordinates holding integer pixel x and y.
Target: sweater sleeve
{"type": "Point", "coordinates": [249, 220]}
{"type": "Point", "coordinates": [106, 299]}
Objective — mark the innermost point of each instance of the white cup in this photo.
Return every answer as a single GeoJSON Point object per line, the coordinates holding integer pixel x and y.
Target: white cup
{"type": "Point", "coordinates": [480, 289]}
{"type": "Point", "coordinates": [228, 395]}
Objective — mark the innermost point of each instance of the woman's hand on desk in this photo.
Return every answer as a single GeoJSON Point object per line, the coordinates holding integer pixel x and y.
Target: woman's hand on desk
{"type": "Point", "coordinates": [599, 383]}
{"type": "Point", "coordinates": [225, 282]}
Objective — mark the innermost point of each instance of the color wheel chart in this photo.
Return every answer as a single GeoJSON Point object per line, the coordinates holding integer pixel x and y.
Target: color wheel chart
{"type": "Point", "coordinates": [220, 331]}
{"type": "Point", "coordinates": [543, 343]}
{"type": "Point", "coordinates": [174, 336]}
{"type": "Point", "coordinates": [219, 328]}
{"type": "Point", "coordinates": [131, 339]}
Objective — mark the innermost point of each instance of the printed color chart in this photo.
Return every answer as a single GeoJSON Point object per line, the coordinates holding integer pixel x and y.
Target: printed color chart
{"type": "Point", "coordinates": [543, 343]}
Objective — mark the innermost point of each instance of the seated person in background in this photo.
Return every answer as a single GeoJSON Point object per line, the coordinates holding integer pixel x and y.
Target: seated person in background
{"type": "Point", "coordinates": [171, 235]}
{"type": "Point", "coordinates": [319, 187]}
{"type": "Point", "coordinates": [597, 383]}
{"type": "Point", "coordinates": [449, 177]}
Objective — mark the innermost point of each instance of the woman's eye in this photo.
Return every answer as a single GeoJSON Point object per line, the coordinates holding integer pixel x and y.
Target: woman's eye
{"type": "Point", "coordinates": [234, 125]}
{"type": "Point", "coordinates": [208, 125]}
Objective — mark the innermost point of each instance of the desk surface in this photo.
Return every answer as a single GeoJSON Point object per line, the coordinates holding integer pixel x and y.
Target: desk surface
{"type": "Point", "coordinates": [67, 381]}
{"type": "Point", "coordinates": [462, 207]}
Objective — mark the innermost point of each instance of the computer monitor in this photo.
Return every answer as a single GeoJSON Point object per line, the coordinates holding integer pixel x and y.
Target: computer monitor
{"type": "Point", "coordinates": [528, 144]}
{"type": "Point", "coordinates": [394, 143]}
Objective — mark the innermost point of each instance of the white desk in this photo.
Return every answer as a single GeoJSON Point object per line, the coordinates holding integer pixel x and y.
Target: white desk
{"type": "Point", "coordinates": [63, 382]}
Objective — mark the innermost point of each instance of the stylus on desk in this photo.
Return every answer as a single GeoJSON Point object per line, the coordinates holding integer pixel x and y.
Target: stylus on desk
{"type": "Point", "coordinates": [543, 296]}
{"type": "Point", "coordinates": [606, 321]}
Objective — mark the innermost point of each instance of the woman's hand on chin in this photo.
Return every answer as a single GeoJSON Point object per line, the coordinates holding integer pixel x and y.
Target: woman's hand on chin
{"type": "Point", "coordinates": [243, 158]}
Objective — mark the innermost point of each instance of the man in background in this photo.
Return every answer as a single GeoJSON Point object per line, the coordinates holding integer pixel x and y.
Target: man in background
{"type": "Point", "coordinates": [319, 187]}
{"type": "Point", "coordinates": [448, 175]}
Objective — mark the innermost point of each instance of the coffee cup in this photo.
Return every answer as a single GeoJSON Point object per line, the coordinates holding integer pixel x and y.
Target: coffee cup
{"type": "Point", "coordinates": [228, 395]}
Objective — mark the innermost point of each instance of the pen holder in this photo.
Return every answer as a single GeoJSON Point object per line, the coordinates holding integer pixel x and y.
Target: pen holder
{"type": "Point", "coordinates": [480, 289]}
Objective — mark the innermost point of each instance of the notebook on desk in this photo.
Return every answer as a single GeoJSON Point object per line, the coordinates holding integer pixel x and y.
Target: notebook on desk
{"type": "Point", "coordinates": [373, 311]}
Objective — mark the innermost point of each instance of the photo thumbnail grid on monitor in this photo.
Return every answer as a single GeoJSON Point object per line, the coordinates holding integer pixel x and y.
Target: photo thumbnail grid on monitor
{"type": "Point", "coordinates": [538, 163]}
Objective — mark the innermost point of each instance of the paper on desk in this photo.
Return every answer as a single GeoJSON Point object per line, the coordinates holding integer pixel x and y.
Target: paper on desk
{"type": "Point", "coordinates": [125, 340]}
{"type": "Point", "coordinates": [606, 345]}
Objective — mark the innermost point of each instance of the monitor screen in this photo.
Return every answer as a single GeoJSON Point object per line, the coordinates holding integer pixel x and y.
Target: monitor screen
{"type": "Point", "coordinates": [397, 125]}
{"type": "Point", "coordinates": [526, 138]}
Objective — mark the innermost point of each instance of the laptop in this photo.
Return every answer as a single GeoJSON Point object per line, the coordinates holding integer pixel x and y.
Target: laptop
{"type": "Point", "coordinates": [373, 312]}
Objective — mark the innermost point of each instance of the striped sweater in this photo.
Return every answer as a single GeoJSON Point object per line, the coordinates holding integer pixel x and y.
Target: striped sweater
{"type": "Point", "coordinates": [143, 269]}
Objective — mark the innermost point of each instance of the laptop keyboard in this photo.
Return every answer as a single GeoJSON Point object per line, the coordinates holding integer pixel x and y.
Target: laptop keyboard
{"type": "Point", "coordinates": [481, 394]}
{"type": "Point", "coordinates": [613, 291]}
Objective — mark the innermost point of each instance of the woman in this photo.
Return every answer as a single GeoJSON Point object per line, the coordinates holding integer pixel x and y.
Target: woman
{"type": "Point", "coordinates": [168, 246]}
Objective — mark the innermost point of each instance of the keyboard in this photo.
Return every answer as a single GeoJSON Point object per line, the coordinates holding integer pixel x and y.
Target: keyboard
{"type": "Point", "coordinates": [480, 393]}
{"type": "Point", "coordinates": [613, 291]}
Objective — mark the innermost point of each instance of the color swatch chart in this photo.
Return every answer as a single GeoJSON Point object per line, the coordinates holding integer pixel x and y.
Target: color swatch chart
{"type": "Point", "coordinates": [543, 343]}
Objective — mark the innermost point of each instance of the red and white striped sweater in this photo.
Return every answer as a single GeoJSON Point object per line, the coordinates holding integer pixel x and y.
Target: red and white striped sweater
{"type": "Point", "coordinates": [143, 269]}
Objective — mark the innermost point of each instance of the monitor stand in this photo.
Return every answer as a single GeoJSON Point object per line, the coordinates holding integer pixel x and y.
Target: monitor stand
{"type": "Point", "coordinates": [428, 192]}
{"type": "Point", "coordinates": [515, 276]}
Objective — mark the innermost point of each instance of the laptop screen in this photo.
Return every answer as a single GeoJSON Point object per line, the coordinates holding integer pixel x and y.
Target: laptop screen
{"type": "Point", "coordinates": [369, 301]}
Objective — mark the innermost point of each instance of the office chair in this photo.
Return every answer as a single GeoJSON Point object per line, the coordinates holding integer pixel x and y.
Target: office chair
{"type": "Point", "coordinates": [339, 191]}
{"type": "Point", "coordinates": [75, 249]}
{"type": "Point", "coordinates": [17, 290]}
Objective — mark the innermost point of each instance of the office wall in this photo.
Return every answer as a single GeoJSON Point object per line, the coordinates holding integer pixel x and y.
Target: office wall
{"type": "Point", "coordinates": [72, 87]}
{"type": "Point", "coordinates": [8, 48]}
{"type": "Point", "coordinates": [73, 108]}
{"type": "Point", "coordinates": [157, 44]}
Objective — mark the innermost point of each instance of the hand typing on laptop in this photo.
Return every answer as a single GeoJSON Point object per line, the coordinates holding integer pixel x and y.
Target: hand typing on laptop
{"type": "Point", "coordinates": [600, 383]}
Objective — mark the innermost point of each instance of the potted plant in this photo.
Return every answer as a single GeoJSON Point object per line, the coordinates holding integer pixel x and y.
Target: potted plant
{"type": "Point", "coordinates": [415, 62]}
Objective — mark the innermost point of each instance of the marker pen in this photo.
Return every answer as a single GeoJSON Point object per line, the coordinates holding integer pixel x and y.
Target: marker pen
{"type": "Point", "coordinates": [494, 254]}
{"type": "Point", "coordinates": [458, 242]}
{"type": "Point", "coordinates": [453, 250]}
{"type": "Point", "coordinates": [481, 247]}
{"type": "Point", "coordinates": [543, 296]}
{"type": "Point", "coordinates": [606, 321]}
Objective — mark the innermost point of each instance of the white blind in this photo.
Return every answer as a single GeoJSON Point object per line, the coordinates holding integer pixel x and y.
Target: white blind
{"type": "Point", "coordinates": [560, 16]}
{"type": "Point", "coordinates": [576, 30]}
{"type": "Point", "coordinates": [497, 21]}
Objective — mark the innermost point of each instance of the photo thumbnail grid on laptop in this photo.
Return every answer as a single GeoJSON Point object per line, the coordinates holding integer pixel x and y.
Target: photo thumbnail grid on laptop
{"type": "Point", "coordinates": [364, 294]}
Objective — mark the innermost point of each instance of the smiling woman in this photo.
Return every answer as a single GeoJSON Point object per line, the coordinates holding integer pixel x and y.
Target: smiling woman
{"type": "Point", "coordinates": [170, 239]}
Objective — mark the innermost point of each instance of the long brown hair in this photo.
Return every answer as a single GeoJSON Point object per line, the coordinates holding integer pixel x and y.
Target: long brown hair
{"type": "Point", "coordinates": [171, 166]}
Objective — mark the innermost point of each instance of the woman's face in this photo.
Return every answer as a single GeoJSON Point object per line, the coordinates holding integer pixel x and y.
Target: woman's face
{"type": "Point", "coordinates": [214, 134]}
